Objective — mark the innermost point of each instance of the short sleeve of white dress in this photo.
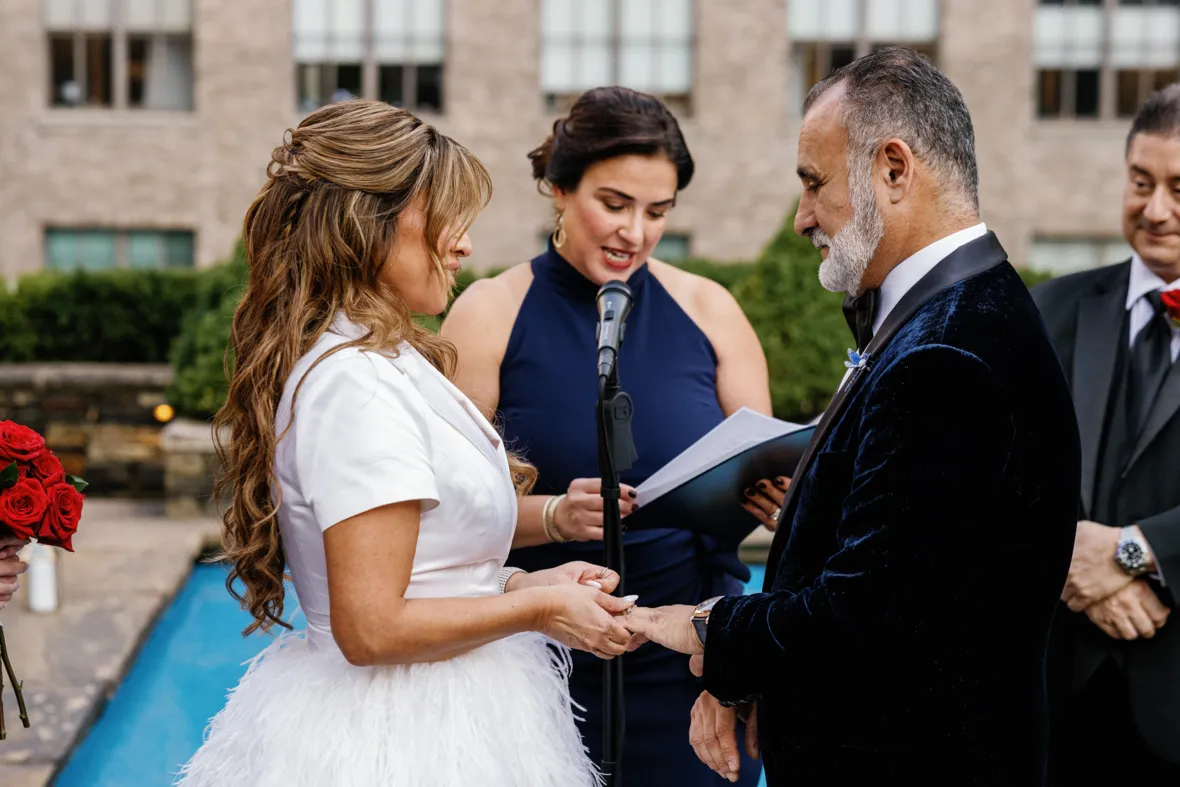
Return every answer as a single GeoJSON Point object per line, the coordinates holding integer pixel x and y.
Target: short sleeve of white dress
{"type": "Point", "coordinates": [361, 439]}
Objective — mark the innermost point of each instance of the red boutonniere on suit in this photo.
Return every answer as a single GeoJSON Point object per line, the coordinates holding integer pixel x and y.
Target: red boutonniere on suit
{"type": "Point", "coordinates": [1171, 300]}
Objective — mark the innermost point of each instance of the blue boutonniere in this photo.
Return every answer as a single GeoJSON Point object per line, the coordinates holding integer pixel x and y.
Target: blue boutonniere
{"type": "Point", "coordinates": [856, 360]}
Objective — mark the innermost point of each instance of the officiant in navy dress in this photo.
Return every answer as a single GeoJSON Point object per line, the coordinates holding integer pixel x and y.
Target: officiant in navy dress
{"type": "Point", "coordinates": [527, 354]}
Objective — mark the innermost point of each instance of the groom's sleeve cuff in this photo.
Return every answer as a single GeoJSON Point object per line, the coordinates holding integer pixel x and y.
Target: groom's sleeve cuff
{"type": "Point", "coordinates": [731, 675]}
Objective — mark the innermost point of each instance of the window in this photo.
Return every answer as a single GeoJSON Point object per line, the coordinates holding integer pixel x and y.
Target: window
{"type": "Point", "coordinates": [828, 34]}
{"type": "Point", "coordinates": [673, 247]}
{"type": "Point", "coordinates": [1103, 58]}
{"type": "Point", "coordinates": [100, 249]}
{"type": "Point", "coordinates": [645, 45]}
{"type": "Point", "coordinates": [1065, 255]}
{"type": "Point", "coordinates": [391, 50]}
{"type": "Point", "coordinates": [120, 53]}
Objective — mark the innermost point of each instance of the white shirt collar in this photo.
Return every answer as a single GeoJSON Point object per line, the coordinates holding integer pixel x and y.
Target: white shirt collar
{"type": "Point", "coordinates": [910, 271]}
{"type": "Point", "coordinates": [1144, 281]}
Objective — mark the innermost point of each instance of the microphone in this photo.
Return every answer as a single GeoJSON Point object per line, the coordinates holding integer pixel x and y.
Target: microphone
{"type": "Point", "coordinates": [614, 304]}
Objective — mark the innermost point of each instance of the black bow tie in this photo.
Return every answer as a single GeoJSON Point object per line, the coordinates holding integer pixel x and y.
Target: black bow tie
{"type": "Point", "coordinates": [860, 313]}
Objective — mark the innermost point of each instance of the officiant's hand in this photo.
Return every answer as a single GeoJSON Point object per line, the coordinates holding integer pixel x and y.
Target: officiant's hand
{"type": "Point", "coordinates": [1093, 573]}
{"type": "Point", "coordinates": [578, 516]}
{"type": "Point", "coordinates": [668, 626]}
{"type": "Point", "coordinates": [576, 572]}
{"type": "Point", "coordinates": [765, 500]}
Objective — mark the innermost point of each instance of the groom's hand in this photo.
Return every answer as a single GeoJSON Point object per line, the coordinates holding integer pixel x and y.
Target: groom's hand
{"type": "Point", "coordinates": [713, 735]}
{"type": "Point", "coordinates": [668, 626]}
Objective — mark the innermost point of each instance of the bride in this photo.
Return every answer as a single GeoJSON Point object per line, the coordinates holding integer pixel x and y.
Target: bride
{"type": "Point", "coordinates": [356, 464]}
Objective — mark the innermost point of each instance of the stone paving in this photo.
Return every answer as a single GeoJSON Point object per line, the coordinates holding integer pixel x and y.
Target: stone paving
{"type": "Point", "coordinates": [129, 562]}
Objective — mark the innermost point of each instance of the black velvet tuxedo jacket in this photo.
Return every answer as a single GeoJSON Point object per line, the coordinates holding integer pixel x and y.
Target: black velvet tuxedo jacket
{"type": "Point", "coordinates": [1086, 316]}
{"type": "Point", "coordinates": [911, 587]}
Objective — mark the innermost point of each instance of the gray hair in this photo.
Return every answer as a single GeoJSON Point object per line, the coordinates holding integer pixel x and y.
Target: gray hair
{"type": "Point", "coordinates": [896, 92]}
{"type": "Point", "coordinates": [1160, 115]}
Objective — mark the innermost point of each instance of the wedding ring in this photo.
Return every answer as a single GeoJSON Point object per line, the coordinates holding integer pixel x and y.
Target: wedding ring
{"type": "Point", "coordinates": [775, 514]}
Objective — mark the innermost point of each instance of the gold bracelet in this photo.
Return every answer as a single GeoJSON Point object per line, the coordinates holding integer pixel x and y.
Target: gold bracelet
{"type": "Point", "coordinates": [549, 520]}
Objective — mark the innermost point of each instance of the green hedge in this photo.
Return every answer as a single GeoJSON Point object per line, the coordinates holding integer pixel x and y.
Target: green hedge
{"type": "Point", "coordinates": [800, 325]}
{"type": "Point", "coordinates": [123, 316]}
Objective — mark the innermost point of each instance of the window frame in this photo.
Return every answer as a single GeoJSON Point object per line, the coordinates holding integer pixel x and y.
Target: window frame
{"type": "Point", "coordinates": [120, 60]}
{"type": "Point", "coordinates": [861, 44]}
{"type": "Point", "coordinates": [680, 103]}
{"type": "Point", "coordinates": [371, 66]}
{"type": "Point", "coordinates": [1108, 72]}
{"type": "Point", "coordinates": [121, 237]}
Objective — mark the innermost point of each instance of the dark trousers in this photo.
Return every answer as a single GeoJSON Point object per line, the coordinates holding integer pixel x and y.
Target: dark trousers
{"type": "Point", "coordinates": [1093, 739]}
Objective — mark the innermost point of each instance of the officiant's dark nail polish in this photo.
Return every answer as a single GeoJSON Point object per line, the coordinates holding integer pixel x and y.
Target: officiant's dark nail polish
{"type": "Point", "coordinates": [761, 484]}
{"type": "Point", "coordinates": [633, 494]}
{"type": "Point", "coordinates": [780, 482]}
{"type": "Point", "coordinates": [750, 492]}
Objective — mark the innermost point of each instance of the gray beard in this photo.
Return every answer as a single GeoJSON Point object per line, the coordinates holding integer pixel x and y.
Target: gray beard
{"type": "Point", "coordinates": [850, 252]}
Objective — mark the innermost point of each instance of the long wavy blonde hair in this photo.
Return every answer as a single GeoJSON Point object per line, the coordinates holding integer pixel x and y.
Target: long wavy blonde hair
{"type": "Point", "coordinates": [316, 237]}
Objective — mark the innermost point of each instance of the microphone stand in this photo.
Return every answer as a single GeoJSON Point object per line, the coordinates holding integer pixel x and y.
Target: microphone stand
{"type": "Point", "coordinates": [616, 454]}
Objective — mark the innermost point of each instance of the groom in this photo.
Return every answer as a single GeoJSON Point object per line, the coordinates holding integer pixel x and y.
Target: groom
{"type": "Point", "coordinates": [902, 633]}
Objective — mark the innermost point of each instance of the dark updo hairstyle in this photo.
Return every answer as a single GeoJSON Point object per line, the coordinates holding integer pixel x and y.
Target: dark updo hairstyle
{"type": "Point", "coordinates": [604, 123]}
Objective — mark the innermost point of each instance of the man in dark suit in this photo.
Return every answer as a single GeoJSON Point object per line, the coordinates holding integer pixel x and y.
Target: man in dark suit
{"type": "Point", "coordinates": [902, 634]}
{"type": "Point", "coordinates": [1114, 665]}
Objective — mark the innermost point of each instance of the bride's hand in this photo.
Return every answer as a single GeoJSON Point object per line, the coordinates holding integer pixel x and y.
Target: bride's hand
{"type": "Point", "coordinates": [577, 572]}
{"type": "Point", "coordinates": [584, 618]}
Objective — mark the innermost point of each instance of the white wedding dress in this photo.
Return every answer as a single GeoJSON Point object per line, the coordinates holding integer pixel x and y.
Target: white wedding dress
{"type": "Point", "coordinates": [370, 430]}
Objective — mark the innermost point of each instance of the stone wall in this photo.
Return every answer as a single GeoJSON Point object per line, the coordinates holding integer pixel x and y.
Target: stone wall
{"type": "Point", "coordinates": [98, 418]}
{"type": "Point", "coordinates": [190, 468]}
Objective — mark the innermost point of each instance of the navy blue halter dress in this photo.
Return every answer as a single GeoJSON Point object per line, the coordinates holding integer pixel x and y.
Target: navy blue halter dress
{"type": "Point", "coordinates": [548, 393]}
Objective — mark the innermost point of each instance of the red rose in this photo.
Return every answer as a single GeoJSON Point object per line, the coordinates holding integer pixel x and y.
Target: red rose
{"type": "Point", "coordinates": [46, 468]}
{"type": "Point", "coordinates": [19, 443]}
{"type": "Point", "coordinates": [1171, 300]}
{"type": "Point", "coordinates": [61, 520]}
{"type": "Point", "coordinates": [22, 507]}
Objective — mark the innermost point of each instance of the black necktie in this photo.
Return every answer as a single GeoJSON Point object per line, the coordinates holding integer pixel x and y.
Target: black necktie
{"type": "Point", "coordinates": [860, 313]}
{"type": "Point", "coordinates": [1150, 359]}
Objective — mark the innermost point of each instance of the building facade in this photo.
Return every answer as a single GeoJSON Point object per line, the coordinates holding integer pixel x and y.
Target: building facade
{"type": "Point", "coordinates": [134, 133]}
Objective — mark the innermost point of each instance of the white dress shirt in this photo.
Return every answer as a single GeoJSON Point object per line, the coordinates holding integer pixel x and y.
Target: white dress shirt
{"type": "Point", "coordinates": [910, 271]}
{"type": "Point", "coordinates": [1139, 308]}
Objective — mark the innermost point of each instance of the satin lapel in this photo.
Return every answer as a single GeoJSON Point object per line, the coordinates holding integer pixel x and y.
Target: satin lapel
{"type": "Point", "coordinates": [1099, 331]}
{"type": "Point", "coordinates": [1164, 409]}
{"type": "Point", "coordinates": [453, 407]}
{"type": "Point", "coordinates": [968, 260]}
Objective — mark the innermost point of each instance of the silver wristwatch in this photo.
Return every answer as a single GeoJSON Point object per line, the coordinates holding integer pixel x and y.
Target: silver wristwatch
{"type": "Point", "coordinates": [1132, 553]}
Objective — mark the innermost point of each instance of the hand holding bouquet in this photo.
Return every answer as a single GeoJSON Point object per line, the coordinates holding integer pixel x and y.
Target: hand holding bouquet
{"type": "Point", "coordinates": [37, 500]}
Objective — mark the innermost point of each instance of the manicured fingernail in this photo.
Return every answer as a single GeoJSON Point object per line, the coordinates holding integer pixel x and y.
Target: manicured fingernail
{"type": "Point", "coordinates": [781, 483]}
{"type": "Point", "coordinates": [592, 584]}
{"type": "Point", "coordinates": [750, 492]}
{"type": "Point", "coordinates": [632, 599]}
{"type": "Point", "coordinates": [633, 494]}
{"type": "Point", "coordinates": [732, 765]}
{"type": "Point", "coordinates": [761, 484]}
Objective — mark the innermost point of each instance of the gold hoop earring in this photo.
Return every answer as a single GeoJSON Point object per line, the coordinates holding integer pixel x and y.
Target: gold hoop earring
{"type": "Point", "coordinates": [559, 231]}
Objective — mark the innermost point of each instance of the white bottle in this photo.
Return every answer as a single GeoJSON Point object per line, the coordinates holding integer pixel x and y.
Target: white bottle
{"type": "Point", "coordinates": [41, 579]}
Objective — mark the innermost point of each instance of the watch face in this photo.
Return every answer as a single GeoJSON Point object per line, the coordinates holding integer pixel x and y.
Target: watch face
{"type": "Point", "coordinates": [1131, 556]}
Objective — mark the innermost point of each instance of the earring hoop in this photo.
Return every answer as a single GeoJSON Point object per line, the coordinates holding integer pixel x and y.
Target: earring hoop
{"type": "Point", "coordinates": [559, 236]}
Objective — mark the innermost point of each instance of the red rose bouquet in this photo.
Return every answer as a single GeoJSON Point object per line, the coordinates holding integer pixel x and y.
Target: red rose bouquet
{"type": "Point", "coordinates": [37, 500]}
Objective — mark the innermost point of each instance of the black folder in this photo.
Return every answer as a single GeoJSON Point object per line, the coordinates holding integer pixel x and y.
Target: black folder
{"type": "Point", "coordinates": [710, 503]}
